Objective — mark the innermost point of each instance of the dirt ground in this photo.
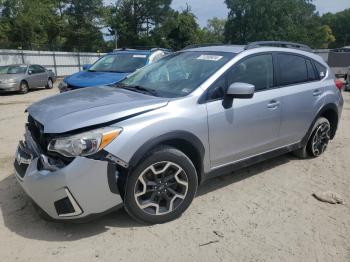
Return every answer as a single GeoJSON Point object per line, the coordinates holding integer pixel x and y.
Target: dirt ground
{"type": "Point", "coordinates": [262, 213]}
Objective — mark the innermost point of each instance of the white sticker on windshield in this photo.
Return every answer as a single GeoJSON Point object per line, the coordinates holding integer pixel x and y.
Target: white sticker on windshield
{"type": "Point", "coordinates": [186, 90]}
{"type": "Point", "coordinates": [210, 57]}
{"type": "Point", "coordinates": [139, 56]}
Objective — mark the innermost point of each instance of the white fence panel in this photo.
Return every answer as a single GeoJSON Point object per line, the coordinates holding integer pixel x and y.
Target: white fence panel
{"type": "Point", "coordinates": [62, 63]}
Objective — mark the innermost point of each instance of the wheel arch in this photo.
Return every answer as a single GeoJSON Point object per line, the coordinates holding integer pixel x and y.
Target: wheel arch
{"type": "Point", "coordinates": [24, 80]}
{"type": "Point", "coordinates": [184, 141]}
{"type": "Point", "coordinates": [330, 112]}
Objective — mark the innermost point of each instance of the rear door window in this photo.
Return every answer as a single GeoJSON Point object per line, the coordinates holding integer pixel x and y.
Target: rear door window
{"type": "Point", "coordinates": [292, 69]}
{"type": "Point", "coordinates": [310, 71]}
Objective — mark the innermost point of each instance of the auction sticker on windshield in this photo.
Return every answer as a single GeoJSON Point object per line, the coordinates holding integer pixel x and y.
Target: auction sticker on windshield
{"type": "Point", "coordinates": [210, 57]}
{"type": "Point", "coordinates": [139, 56]}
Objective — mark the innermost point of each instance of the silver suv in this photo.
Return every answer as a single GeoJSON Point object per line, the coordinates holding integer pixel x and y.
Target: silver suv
{"type": "Point", "coordinates": [149, 141]}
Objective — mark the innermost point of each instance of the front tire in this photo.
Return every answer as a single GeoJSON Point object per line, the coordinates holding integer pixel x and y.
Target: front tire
{"type": "Point", "coordinates": [49, 84]}
{"type": "Point", "coordinates": [23, 87]}
{"type": "Point", "coordinates": [318, 141]}
{"type": "Point", "coordinates": [161, 187]}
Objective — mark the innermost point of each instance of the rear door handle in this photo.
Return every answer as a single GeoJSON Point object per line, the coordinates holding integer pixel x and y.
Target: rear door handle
{"type": "Point", "coordinates": [273, 104]}
{"type": "Point", "coordinates": [317, 92]}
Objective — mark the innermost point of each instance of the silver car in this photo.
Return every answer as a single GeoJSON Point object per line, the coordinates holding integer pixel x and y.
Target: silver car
{"type": "Point", "coordinates": [148, 142]}
{"type": "Point", "coordinates": [22, 78]}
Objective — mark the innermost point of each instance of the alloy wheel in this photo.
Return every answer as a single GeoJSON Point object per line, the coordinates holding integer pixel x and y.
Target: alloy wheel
{"type": "Point", "coordinates": [24, 88]}
{"type": "Point", "coordinates": [320, 139]}
{"type": "Point", "coordinates": [49, 83]}
{"type": "Point", "coordinates": [161, 188]}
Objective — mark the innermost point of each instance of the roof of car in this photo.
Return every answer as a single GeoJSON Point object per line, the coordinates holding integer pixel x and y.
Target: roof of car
{"type": "Point", "coordinates": [131, 51]}
{"type": "Point", "coordinates": [218, 48]}
{"type": "Point", "coordinates": [142, 51]}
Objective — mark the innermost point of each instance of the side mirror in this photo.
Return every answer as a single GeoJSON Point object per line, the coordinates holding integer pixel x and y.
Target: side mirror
{"type": "Point", "coordinates": [238, 90]}
{"type": "Point", "coordinates": [30, 72]}
{"type": "Point", "coordinates": [86, 66]}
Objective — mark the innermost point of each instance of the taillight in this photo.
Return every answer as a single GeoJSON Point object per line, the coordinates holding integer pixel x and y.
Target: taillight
{"type": "Point", "coordinates": [339, 84]}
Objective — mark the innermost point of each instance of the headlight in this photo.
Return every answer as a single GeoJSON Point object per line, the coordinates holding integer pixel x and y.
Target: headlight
{"type": "Point", "coordinates": [84, 144]}
{"type": "Point", "coordinates": [63, 85]}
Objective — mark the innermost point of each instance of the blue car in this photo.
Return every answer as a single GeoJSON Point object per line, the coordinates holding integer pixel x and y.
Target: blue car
{"type": "Point", "coordinates": [112, 68]}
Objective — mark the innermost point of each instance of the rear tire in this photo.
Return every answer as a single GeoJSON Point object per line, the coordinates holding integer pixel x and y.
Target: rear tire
{"type": "Point", "coordinates": [318, 141]}
{"type": "Point", "coordinates": [161, 187]}
{"type": "Point", "coordinates": [49, 84]}
{"type": "Point", "coordinates": [23, 87]}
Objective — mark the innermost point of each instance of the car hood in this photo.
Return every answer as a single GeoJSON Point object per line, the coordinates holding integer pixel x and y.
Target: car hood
{"type": "Point", "coordinates": [91, 106]}
{"type": "Point", "coordinates": [86, 78]}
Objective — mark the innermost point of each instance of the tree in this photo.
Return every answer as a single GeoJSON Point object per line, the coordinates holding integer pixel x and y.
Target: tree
{"type": "Point", "coordinates": [27, 23]}
{"type": "Point", "coordinates": [290, 20]}
{"type": "Point", "coordinates": [133, 20]}
{"type": "Point", "coordinates": [214, 31]}
{"type": "Point", "coordinates": [179, 30]}
{"type": "Point", "coordinates": [340, 25]}
{"type": "Point", "coordinates": [84, 24]}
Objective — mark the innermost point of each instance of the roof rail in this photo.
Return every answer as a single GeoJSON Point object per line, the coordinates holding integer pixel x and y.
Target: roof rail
{"type": "Point", "coordinates": [123, 49]}
{"type": "Point", "coordinates": [142, 48]}
{"type": "Point", "coordinates": [278, 44]}
{"type": "Point", "coordinates": [202, 45]}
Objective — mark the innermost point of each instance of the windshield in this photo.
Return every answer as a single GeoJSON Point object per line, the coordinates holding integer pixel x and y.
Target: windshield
{"type": "Point", "coordinates": [119, 63]}
{"type": "Point", "coordinates": [13, 69]}
{"type": "Point", "coordinates": [178, 74]}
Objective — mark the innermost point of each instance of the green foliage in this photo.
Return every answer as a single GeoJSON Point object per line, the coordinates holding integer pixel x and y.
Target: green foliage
{"type": "Point", "coordinates": [133, 20]}
{"type": "Point", "coordinates": [51, 24]}
{"type": "Point", "coordinates": [292, 20]}
{"type": "Point", "coordinates": [214, 31]}
{"type": "Point", "coordinates": [84, 19]}
{"type": "Point", "coordinates": [340, 25]}
{"type": "Point", "coordinates": [78, 24]}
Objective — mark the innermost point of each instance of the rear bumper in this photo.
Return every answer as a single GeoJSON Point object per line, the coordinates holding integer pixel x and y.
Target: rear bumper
{"type": "Point", "coordinates": [79, 190]}
{"type": "Point", "coordinates": [9, 87]}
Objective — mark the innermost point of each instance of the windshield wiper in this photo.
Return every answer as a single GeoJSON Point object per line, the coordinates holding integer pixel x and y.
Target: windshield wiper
{"type": "Point", "coordinates": [139, 89]}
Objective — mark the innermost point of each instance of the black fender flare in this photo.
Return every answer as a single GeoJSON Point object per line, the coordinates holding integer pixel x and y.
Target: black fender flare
{"type": "Point", "coordinates": [326, 107]}
{"type": "Point", "coordinates": [152, 143]}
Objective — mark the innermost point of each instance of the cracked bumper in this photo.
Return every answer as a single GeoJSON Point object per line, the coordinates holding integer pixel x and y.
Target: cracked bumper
{"type": "Point", "coordinates": [84, 188]}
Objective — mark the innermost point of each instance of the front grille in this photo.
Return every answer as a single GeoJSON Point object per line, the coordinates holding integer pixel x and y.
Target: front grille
{"type": "Point", "coordinates": [21, 169]}
{"type": "Point", "coordinates": [23, 158]}
{"type": "Point", "coordinates": [37, 133]}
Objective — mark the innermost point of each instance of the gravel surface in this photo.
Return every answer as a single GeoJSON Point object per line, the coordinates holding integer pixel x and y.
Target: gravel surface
{"type": "Point", "coordinates": [262, 213]}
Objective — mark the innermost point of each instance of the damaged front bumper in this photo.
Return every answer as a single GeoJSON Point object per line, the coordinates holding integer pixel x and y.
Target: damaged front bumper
{"type": "Point", "coordinates": [81, 189]}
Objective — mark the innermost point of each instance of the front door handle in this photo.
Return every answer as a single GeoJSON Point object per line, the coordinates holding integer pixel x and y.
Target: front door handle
{"type": "Point", "coordinates": [317, 92]}
{"type": "Point", "coordinates": [273, 104]}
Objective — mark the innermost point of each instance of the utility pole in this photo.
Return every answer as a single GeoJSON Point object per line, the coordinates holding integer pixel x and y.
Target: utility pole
{"type": "Point", "coordinates": [116, 39]}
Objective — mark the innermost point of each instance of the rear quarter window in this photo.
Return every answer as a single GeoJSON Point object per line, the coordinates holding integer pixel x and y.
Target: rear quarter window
{"type": "Point", "coordinates": [321, 70]}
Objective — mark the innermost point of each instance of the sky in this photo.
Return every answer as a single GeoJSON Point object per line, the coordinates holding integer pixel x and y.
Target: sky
{"type": "Point", "coordinates": [206, 9]}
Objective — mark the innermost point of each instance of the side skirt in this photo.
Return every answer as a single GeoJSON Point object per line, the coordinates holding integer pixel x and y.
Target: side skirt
{"type": "Point", "coordinates": [250, 161]}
